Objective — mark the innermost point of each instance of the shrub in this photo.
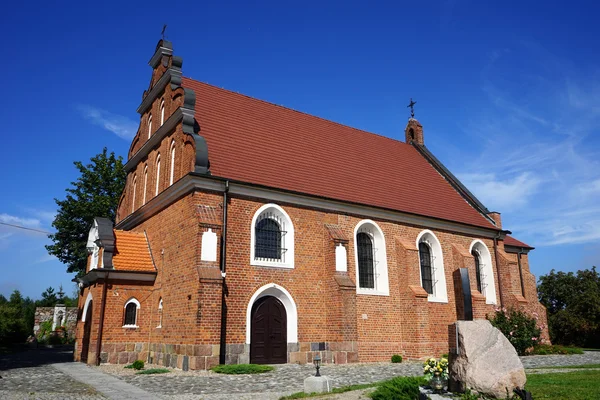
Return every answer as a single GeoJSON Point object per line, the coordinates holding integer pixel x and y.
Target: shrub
{"type": "Point", "coordinates": [396, 358]}
{"type": "Point", "coordinates": [55, 340]}
{"type": "Point", "coordinates": [153, 371]}
{"type": "Point", "coordinates": [400, 388]}
{"type": "Point", "coordinates": [543, 349]}
{"type": "Point", "coordinates": [520, 329]}
{"type": "Point", "coordinates": [236, 369]}
{"type": "Point", "coordinates": [137, 364]}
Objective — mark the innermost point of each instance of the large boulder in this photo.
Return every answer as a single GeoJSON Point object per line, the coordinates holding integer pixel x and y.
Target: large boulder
{"type": "Point", "coordinates": [486, 361]}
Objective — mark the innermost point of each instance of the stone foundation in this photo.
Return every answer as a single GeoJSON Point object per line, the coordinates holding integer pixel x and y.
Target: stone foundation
{"type": "Point", "coordinates": [181, 356]}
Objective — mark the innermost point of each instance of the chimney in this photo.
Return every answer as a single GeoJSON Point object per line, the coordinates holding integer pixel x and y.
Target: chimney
{"type": "Point", "coordinates": [496, 217]}
{"type": "Point", "coordinates": [414, 132]}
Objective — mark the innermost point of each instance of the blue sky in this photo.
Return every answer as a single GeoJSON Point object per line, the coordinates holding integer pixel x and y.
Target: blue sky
{"type": "Point", "coordinates": [508, 94]}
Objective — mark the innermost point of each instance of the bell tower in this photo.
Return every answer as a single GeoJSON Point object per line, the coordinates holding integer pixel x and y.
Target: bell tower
{"type": "Point", "coordinates": [414, 132]}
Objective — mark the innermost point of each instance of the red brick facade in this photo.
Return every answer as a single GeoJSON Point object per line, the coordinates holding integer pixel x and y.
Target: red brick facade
{"type": "Point", "coordinates": [332, 318]}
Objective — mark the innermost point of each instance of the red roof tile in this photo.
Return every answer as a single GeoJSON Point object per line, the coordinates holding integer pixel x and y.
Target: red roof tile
{"type": "Point", "coordinates": [132, 252]}
{"type": "Point", "coordinates": [511, 241]}
{"type": "Point", "coordinates": [257, 142]}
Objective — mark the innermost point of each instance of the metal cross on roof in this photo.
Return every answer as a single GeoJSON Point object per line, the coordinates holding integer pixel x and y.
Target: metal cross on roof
{"type": "Point", "coordinates": [163, 31]}
{"type": "Point", "coordinates": [412, 107]}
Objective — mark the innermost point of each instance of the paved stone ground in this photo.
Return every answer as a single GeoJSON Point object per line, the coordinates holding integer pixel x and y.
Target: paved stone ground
{"type": "Point", "coordinates": [49, 374]}
{"type": "Point", "coordinates": [30, 375]}
{"type": "Point", "coordinates": [588, 357]}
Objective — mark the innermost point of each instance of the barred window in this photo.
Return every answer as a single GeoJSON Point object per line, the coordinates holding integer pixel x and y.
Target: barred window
{"type": "Point", "coordinates": [272, 241]}
{"type": "Point", "coordinates": [130, 317]}
{"type": "Point", "coordinates": [426, 267]}
{"type": "Point", "coordinates": [370, 259]}
{"type": "Point", "coordinates": [477, 270]}
{"type": "Point", "coordinates": [130, 314]}
{"type": "Point", "coordinates": [366, 273]}
{"type": "Point", "coordinates": [268, 238]}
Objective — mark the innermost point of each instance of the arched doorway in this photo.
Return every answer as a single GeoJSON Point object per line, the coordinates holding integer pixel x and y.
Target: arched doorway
{"type": "Point", "coordinates": [87, 329]}
{"type": "Point", "coordinates": [268, 327]}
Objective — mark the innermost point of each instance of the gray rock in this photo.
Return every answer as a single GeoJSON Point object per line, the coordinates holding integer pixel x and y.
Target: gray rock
{"type": "Point", "coordinates": [486, 361]}
{"type": "Point", "coordinates": [317, 384]}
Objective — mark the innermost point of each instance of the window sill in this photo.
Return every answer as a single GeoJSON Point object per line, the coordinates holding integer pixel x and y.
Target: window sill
{"type": "Point", "coordinates": [271, 264]}
{"type": "Point", "coordinates": [432, 299]}
{"type": "Point", "coordinates": [130, 326]}
{"type": "Point", "coordinates": [371, 292]}
{"type": "Point", "coordinates": [493, 302]}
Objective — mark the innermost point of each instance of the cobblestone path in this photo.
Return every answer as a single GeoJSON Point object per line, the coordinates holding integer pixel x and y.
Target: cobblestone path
{"type": "Point", "coordinates": [29, 375]}
{"type": "Point", "coordinates": [289, 378]}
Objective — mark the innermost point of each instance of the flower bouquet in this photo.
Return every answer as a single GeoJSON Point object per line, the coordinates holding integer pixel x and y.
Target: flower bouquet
{"type": "Point", "coordinates": [437, 372]}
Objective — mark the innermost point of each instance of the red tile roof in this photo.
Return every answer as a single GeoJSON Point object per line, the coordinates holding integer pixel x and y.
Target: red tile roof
{"type": "Point", "coordinates": [257, 142]}
{"type": "Point", "coordinates": [132, 252]}
{"type": "Point", "coordinates": [511, 241]}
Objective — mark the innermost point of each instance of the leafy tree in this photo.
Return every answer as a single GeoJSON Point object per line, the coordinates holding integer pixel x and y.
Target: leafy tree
{"type": "Point", "coordinates": [16, 318]}
{"type": "Point", "coordinates": [95, 194]}
{"type": "Point", "coordinates": [573, 303]}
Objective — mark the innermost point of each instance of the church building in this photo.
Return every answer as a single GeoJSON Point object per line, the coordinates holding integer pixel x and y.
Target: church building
{"type": "Point", "coordinates": [249, 232]}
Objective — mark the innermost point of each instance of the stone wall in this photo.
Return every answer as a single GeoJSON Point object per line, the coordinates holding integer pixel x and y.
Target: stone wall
{"type": "Point", "coordinates": [69, 318]}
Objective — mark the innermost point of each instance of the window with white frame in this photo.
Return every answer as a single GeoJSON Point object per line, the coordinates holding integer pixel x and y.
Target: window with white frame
{"type": "Point", "coordinates": [162, 112]}
{"type": "Point", "coordinates": [371, 259]}
{"type": "Point", "coordinates": [157, 174]}
{"type": "Point", "coordinates": [172, 166]}
{"type": "Point", "coordinates": [131, 311]}
{"type": "Point", "coordinates": [272, 238]}
{"type": "Point", "coordinates": [160, 313]}
{"type": "Point", "coordinates": [145, 184]}
{"type": "Point", "coordinates": [149, 126]}
{"type": "Point", "coordinates": [431, 262]}
{"type": "Point", "coordinates": [484, 273]}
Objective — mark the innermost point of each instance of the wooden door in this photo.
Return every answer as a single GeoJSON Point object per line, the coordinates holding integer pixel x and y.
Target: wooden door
{"type": "Point", "coordinates": [87, 330]}
{"type": "Point", "coordinates": [268, 332]}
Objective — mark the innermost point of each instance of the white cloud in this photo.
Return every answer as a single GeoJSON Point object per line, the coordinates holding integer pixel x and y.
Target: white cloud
{"type": "Point", "coordinates": [502, 194]}
{"type": "Point", "coordinates": [43, 259]}
{"type": "Point", "coordinates": [121, 126]}
{"type": "Point", "coordinates": [20, 221]}
{"type": "Point", "coordinates": [538, 160]}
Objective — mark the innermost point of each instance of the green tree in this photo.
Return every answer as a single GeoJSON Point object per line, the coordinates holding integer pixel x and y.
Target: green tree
{"type": "Point", "coordinates": [48, 298]}
{"type": "Point", "coordinates": [573, 303]}
{"type": "Point", "coordinates": [16, 318]}
{"type": "Point", "coordinates": [95, 194]}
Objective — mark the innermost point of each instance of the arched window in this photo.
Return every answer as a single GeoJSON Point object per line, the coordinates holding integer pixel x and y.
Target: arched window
{"type": "Point", "coordinates": [160, 313]}
{"type": "Point", "coordinates": [133, 196]}
{"type": "Point", "coordinates": [172, 171]}
{"type": "Point", "coordinates": [426, 262]}
{"type": "Point", "coordinates": [157, 173]}
{"type": "Point", "coordinates": [149, 126]}
{"type": "Point", "coordinates": [145, 184]}
{"type": "Point", "coordinates": [477, 270]}
{"type": "Point", "coordinates": [366, 275]}
{"type": "Point", "coordinates": [272, 238]}
{"type": "Point", "coordinates": [371, 259]}
{"type": "Point", "coordinates": [131, 313]}
{"type": "Point", "coordinates": [431, 262]}
{"type": "Point", "coordinates": [162, 112]}
{"type": "Point", "coordinates": [484, 273]}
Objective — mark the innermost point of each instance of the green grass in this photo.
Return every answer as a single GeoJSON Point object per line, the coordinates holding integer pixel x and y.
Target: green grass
{"type": "Point", "coordinates": [302, 395]}
{"type": "Point", "coordinates": [397, 387]}
{"type": "Point", "coordinates": [235, 369]}
{"type": "Point", "coordinates": [579, 385]}
{"type": "Point", "coordinates": [153, 371]}
{"type": "Point", "coordinates": [570, 366]}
